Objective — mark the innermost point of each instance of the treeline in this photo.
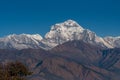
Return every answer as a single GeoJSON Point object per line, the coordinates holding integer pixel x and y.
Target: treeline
{"type": "Point", "coordinates": [14, 71]}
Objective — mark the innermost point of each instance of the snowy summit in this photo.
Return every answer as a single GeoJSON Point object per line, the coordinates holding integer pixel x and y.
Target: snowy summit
{"type": "Point", "coordinates": [58, 34]}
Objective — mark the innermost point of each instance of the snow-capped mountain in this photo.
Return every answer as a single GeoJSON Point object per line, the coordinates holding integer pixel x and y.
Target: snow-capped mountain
{"type": "Point", "coordinates": [113, 41]}
{"type": "Point", "coordinates": [21, 41]}
{"type": "Point", "coordinates": [71, 30]}
{"type": "Point", "coordinates": [58, 34]}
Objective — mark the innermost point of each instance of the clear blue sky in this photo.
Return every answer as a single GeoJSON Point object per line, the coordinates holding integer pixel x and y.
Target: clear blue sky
{"type": "Point", "coordinates": [36, 16]}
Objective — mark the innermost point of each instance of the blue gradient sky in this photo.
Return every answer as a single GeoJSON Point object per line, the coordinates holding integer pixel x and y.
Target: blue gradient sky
{"type": "Point", "coordinates": [36, 16]}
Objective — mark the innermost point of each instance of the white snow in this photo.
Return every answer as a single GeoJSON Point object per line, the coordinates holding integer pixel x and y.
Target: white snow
{"type": "Point", "coordinates": [58, 34]}
{"type": "Point", "coordinates": [71, 30]}
{"type": "Point", "coordinates": [21, 41]}
{"type": "Point", "coordinates": [114, 41]}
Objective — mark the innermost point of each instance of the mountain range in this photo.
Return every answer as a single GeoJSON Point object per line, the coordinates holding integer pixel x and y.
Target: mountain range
{"type": "Point", "coordinates": [58, 34]}
{"type": "Point", "coordinates": [73, 60]}
{"type": "Point", "coordinates": [67, 52]}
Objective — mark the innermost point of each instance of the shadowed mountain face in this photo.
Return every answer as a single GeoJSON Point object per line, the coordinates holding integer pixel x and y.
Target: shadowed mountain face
{"type": "Point", "coordinates": [111, 61]}
{"type": "Point", "coordinates": [80, 51]}
{"type": "Point", "coordinates": [73, 60]}
{"type": "Point", "coordinates": [58, 68]}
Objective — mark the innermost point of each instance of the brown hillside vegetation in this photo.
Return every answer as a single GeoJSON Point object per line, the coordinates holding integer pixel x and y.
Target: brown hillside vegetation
{"type": "Point", "coordinates": [13, 71]}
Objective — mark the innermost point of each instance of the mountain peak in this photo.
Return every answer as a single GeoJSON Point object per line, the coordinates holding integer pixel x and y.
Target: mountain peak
{"type": "Point", "coordinates": [71, 30]}
{"type": "Point", "coordinates": [64, 30]}
{"type": "Point", "coordinates": [71, 23]}
{"type": "Point", "coordinates": [35, 36]}
{"type": "Point", "coordinates": [20, 41]}
{"type": "Point", "coordinates": [59, 33]}
{"type": "Point", "coordinates": [67, 24]}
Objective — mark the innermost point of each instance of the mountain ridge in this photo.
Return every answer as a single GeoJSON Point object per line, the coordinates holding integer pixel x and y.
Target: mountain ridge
{"type": "Point", "coordinates": [58, 34]}
{"type": "Point", "coordinates": [72, 60]}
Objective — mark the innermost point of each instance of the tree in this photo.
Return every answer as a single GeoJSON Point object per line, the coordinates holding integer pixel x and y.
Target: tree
{"type": "Point", "coordinates": [14, 71]}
